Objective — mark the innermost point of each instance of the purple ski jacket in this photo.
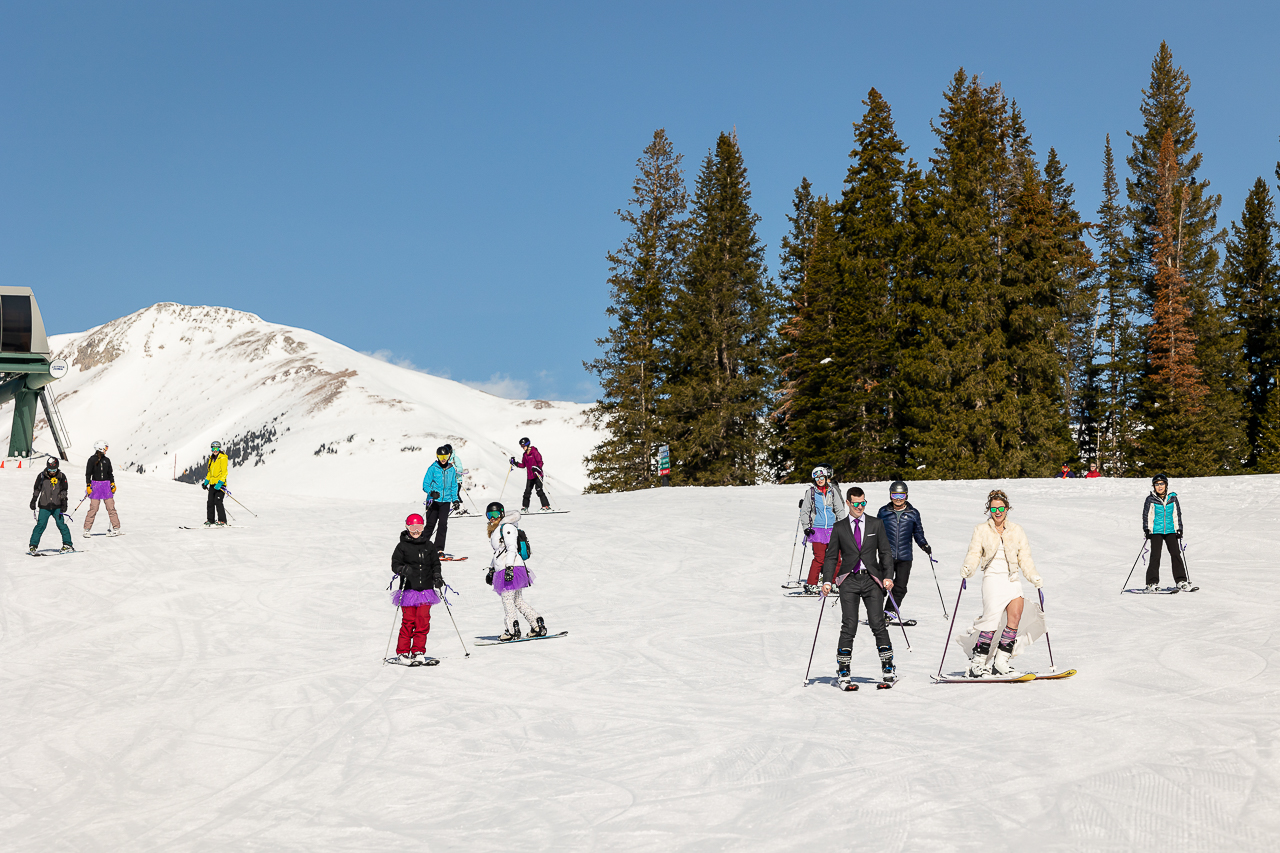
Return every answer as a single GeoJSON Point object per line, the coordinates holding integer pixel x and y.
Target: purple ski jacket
{"type": "Point", "coordinates": [531, 462]}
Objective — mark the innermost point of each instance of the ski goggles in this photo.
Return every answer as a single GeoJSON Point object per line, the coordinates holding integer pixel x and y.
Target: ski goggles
{"type": "Point", "coordinates": [897, 497]}
{"type": "Point", "coordinates": [492, 514]}
{"type": "Point", "coordinates": [857, 505]}
{"type": "Point", "coordinates": [997, 510]}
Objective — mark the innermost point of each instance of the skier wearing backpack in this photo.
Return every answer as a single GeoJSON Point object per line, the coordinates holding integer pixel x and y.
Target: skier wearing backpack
{"type": "Point", "coordinates": [820, 509]}
{"type": "Point", "coordinates": [508, 573]}
{"type": "Point", "coordinates": [417, 563]}
{"type": "Point", "coordinates": [100, 488]}
{"type": "Point", "coordinates": [441, 486]}
{"type": "Point", "coordinates": [531, 461]}
{"type": "Point", "coordinates": [902, 524]}
{"type": "Point", "coordinates": [1162, 524]}
{"type": "Point", "coordinates": [49, 500]}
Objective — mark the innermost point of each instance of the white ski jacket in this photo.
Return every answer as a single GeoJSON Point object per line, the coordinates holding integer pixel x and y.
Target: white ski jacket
{"type": "Point", "coordinates": [505, 542]}
{"type": "Point", "coordinates": [1017, 551]}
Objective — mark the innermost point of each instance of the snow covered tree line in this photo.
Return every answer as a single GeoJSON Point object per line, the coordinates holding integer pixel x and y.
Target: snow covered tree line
{"type": "Point", "coordinates": [960, 320]}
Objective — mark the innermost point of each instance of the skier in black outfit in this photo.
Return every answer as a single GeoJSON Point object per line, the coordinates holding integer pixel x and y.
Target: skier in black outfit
{"type": "Point", "coordinates": [1162, 524]}
{"type": "Point", "coordinates": [902, 524]}
{"type": "Point", "coordinates": [859, 543]}
{"type": "Point", "coordinates": [49, 500]}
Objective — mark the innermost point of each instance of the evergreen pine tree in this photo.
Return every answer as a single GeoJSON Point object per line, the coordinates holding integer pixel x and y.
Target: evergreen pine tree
{"type": "Point", "coordinates": [1165, 109]}
{"type": "Point", "coordinates": [1269, 434]}
{"type": "Point", "coordinates": [643, 273]}
{"type": "Point", "coordinates": [1252, 293]}
{"type": "Point", "coordinates": [717, 396]}
{"type": "Point", "coordinates": [792, 271]}
{"type": "Point", "coordinates": [1121, 350]}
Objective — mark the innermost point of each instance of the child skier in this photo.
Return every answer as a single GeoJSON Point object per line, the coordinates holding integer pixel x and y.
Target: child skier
{"type": "Point", "coordinates": [417, 563]}
{"type": "Point", "coordinates": [215, 482]}
{"type": "Point", "coordinates": [1000, 549]}
{"type": "Point", "coordinates": [508, 573]}
{"type": "Point", "coordinates": [441, 485]}
{"type": "Point", "coordinates": [531, 461]}
{"type": "Point", "coordinates": [820, 509]}
{"type": "Point", "coordinates": [50, 497]}
{"type": "Point", "coordinates": [1162, 524]}
{"type": "Point", "coordinates": [100, 487]}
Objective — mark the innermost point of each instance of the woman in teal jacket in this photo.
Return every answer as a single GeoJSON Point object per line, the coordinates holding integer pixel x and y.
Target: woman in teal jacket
{"type": "Point", "coordinates": [1162, 523]}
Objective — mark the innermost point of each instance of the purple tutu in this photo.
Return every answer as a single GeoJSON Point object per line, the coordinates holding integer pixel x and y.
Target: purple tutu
{"type": "Point", "coordinates": [414, 597]}
{"type": "Point", "coordinates": [101, 491]}
{"type": "Point", "coordinates": [521, 577]}
{"type": "Point", "coordinates": [821, 534]}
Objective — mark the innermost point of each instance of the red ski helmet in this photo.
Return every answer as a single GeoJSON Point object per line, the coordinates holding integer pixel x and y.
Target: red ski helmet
{"type": "Point", "coordinates": [414, 519]}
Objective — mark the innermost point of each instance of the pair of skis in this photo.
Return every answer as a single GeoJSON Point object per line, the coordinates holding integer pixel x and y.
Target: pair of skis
{"type": "Point", "coordinates": [415, 662]}
{"type": "Point", "coordinates": [1002, 679]}
{"type": "Point", "coordinates": [1164, 590]}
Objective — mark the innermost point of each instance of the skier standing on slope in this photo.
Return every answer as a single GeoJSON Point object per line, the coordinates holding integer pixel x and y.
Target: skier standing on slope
{"type": "Point", "coordinates": [215, 482]}
{"type": "Point", "coordinates": [441, 486]}
{"type": "Point", "coordinates": [417, 563]}
{"type": "Point", "coordinates": [49, 500]}
{"type": "Point", "coordinates": [508, 574]}
{"type": "Point", "coordinates": [100, 487]}
{"type": "Point", "coordinates": [1162, 524]}
{"type": "Point", "coordinates": [820, 509]}
{"type": "Point", "coordinates": [1000, 549]}
{"type": "Point", "coordinates": [860, 546]}
{"type": "Point", "coordinates": [902, 524]}
{"type": "Point", "coordinates": [531, 461]}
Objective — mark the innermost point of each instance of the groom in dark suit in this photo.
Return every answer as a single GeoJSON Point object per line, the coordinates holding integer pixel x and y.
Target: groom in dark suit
{"type": "Point", "coordinates": [865, 555]}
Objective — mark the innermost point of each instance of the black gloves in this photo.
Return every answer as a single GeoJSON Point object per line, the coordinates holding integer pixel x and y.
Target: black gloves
{"type": "Point", "coordinates": [927, 550]}
{"type": "Point", "coordinates": [808, 531]}
{"type": "Point", "coordinates": [513, 460]}
{"type": "Point", "coordinates": [203, 485]}
{"type": "Point", "coordinates": [457, 505]}
{"type": "Point", "coordinates": [489, 577]}
{"type": "Point", "coordinates": [435, 496]}
{"type": "Point", "coordinates": [1179, 534]}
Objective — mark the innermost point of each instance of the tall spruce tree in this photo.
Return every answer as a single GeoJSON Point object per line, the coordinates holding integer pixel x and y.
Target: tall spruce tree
{"type": "Point", "coordinates": [717, 395]}
{"type": "Point", "coordinates": [1252, 293]}
{"type": "Point", "coordinates": [1268, 461]}
{"type": "Point", "coordinates": [1121, 349]}
{"type": "Point", "coordinates": [643, 274]}
{"type": "Point", "coordinates": [1165, 109]}
{"type": "Point", "coordinates": [796, 247]}
{"type": "Point", "coordinates": [982, 373]}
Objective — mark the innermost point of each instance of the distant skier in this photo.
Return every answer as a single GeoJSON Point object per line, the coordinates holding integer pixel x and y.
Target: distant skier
{"type": "Point", "coordinates": [508, 574]}
{"type": "Point", "coordinates": [1093, 471]}
{"type": "Point", "coordinates": [820, 509]}
{"type": "Point", "coordinates": [859, 545]}
{"type": "Point", "coordinates": [100, 487]}
{"type": "Point", "coordinates": [417, 563]}
{"type": "Point", "coordinates": [49, 500]}
{"type": "Point", "coordinates": [902, 524]}
{"type": "Point", "coordinates": [1065, 473]}
{"type": "Point", "coordinates": [1162, 524]}
{"type": "Point", "coordinates": [1000, 549]}
{"type": "Point", "coordinates": [459, 471]}
{"type": "Point", "coordinates": [531, 461]}
{"type": "Point", "coordinates": [441, 486]}
{"type": "Point", "coordinates": [215, 482]}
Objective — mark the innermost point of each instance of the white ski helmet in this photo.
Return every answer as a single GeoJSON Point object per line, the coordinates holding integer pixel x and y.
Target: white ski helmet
{"type": "Point", "coordinates": [99, 445]}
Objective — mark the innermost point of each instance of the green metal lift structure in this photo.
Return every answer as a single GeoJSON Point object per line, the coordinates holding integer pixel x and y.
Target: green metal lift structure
{"type": "Point", "coordinates": [26, 370]}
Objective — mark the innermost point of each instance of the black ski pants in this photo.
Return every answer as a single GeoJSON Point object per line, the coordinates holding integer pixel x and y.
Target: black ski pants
{"type": "Point", "coordinates": [1175, 555]}
{"type": "Point", "coordinates": [215, 504]}
{"type": "Point", "coordinates": [860, 586]}
{"type": "Point", "coordinates": [534, 483]}
{"type": "Point", "coordinates": [438, 512]}
{"type": "Point", "coordinates": [901, 574]}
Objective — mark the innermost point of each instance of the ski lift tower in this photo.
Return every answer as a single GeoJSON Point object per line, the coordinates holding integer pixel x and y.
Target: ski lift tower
{"type": "Point", "coordinates": [26, 369]}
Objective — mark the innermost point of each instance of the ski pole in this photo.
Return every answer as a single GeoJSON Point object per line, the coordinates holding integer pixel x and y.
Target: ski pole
{"type": "Point", "coordinates": [1052, 668]}
{"type": "Point", "coordinates": [895, 610]}
{"type": "Point", "coordinates": [821, 602]}
{"type": "Point", "coordinates": [387, 654]}
{"type": "Point", "coordinates": [795, 540]}
{"type": "Point", "coordinates": [86, 497]}
{"type": "Point", "coordinates": [1185, 567]}
{"type": "Point", "coordinates": [449, 610]}
{"type": "Point", "coordinates": [1141, 554]}
{"type": "Point", "coordinates": [953, 625]}
{"type": "Point", "coordinates": [932, 567]}
{"type": "Point", "coordinates": [503, 491]}
{"type": "Point", "coordinates": [242, 506]}
{"type": "Point", "coordinates": [804, 549]}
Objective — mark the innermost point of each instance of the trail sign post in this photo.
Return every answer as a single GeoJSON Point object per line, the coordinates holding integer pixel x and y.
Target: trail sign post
{"type": "Point", "coordinates": [664, 464]}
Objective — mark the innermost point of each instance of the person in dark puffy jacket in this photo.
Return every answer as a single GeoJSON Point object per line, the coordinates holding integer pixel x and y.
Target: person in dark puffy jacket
{"type": "Point", "coordinates": [417, 563]}
{"type": "Point", "coordinates": [1162, 524]}
{"type": "Point", "coordinates": [902, 524]}
{"type": "Point", "coordinates": [49, 500]}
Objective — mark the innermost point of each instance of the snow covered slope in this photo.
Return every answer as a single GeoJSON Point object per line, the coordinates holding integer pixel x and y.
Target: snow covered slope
{"type": "Point", "coordinates": [222, 690]}
{"type": "Point", "coordinates": [296, 412]}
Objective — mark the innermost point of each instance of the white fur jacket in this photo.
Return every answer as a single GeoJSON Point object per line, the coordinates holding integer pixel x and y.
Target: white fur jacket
{"type": "Point", "coordinates": [1017, 551]}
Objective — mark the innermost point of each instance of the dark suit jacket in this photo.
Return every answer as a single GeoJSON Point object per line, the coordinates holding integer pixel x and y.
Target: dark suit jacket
{"type": "Point", "coordinates": [876, 553]}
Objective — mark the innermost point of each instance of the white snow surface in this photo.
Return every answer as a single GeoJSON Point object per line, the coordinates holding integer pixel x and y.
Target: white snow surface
{"type": "Point", "coordinates": [217, 690]}
{"type": "Point", "coordinates": [311, 416]}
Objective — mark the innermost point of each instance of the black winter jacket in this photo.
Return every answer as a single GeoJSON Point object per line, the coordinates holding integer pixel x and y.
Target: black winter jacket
{"type": "Point", "coordinates": [50, 491]}
{"type": "Point", "coordinates": [417, 562]}
{"type": "Point", "coordinates": [99, 468]}
{"type": "Point", "coordinates": [902, 530]}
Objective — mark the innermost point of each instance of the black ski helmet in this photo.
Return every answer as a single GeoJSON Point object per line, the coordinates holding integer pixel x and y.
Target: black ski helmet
{"type": "Point", "coordinates": [493, 507]}
{"type": "Point", "coordinates": [524, 442]}
{"type": "Point", "coordinates": [443, 450]}
{"type": "Point", "coordinates": [52, 463]}
{"type": "Point", "coordinates": [1160, 478]}
{"type": "Point", "coordinates": [448, 448]}
{"type": "Point", "coordinates": [897, 487]}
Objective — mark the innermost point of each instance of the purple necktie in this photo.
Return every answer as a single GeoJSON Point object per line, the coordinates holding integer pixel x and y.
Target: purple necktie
{"type": "Point", "coordinates": [857, 533]}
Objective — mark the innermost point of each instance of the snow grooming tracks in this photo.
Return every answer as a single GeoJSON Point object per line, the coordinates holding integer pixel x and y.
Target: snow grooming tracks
{"type": "Point", "coordinates": [493, 641]}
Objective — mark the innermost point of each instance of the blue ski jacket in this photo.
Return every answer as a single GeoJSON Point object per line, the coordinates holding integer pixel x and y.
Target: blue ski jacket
{"type": "Point", "coordinates": [1162, 516]}
{"type": "Point", "coordinates": [442, 479]}
{"type": "Point", "coordinates": [902, 529]}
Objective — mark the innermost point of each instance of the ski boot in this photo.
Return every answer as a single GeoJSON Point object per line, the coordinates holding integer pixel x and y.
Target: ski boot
{"type": "Point", "coordinates": [115, 531]}
{"type": "Point", "coordinates": [1185, 586]}
{"type": "Point", "coordinates": [419, 659]}
{"type": "Point", "coordinates": [524, 510]}
{"type": "Point", "coordinates": [843, 656]}
{"type": "Point", "coordinates": [86, 534]}
{"type": "Point", "coordinates": [539, 630]}
{"type": "Point", "coordinates": [209, 524]}
{"type": "Point", "coordinates": [405, 658]}
{"type": "Point", "coordinates": [1003, 664]}
{"type": "Point", "coordinates": [512, 633]}
{"type": "Point", "coordinates": [888, 672]}
{"type": "Point", "coordinates": [1152, 588]}
{"type": "Point", "coordinates": [978, 666]}
{"type": "Point", "coordinates": [547, 509]}
{"type": "Point", "coordinates": [66, 549]}
{"type": "Point", "coordinates": [32, 550]}
{"type": "Point", "coordinates": [812, 589]}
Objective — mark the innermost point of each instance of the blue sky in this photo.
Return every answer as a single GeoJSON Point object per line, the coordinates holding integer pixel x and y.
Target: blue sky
{"type": "Point", "coordinates": [437, 182]}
